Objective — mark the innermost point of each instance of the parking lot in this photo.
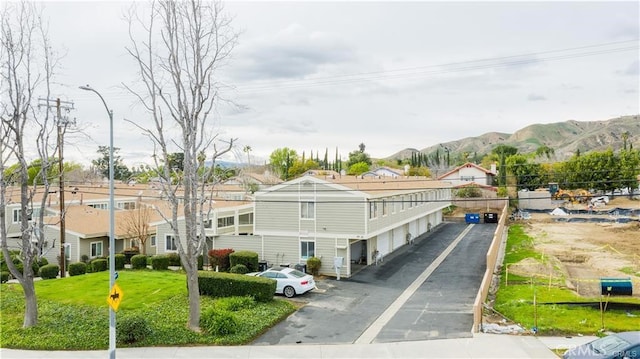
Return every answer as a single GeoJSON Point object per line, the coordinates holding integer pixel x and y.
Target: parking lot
{"type": "Point", "coordinates": [340, 312]}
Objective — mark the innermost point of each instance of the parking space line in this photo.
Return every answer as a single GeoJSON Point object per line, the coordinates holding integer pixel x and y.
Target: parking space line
{"type": "Point", "coordinates": [374, 329]}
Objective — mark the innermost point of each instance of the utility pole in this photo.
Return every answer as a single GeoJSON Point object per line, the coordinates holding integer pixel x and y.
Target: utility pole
{"type": "Point", "coordinates": [62, 125]}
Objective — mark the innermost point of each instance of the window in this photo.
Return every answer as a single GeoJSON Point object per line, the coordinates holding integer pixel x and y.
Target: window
{"type": "Point", "coordinates": [467, 178]}
{"type": "Point", "coordinates": [126, 205]}
{"type": "Point", "coordinates": [246, 218]}
{"type": "Point", "coordinates": [134, 243]}
{"type": "Point", "coordinates": [225, 222]}
{"type": "Point", "coordinates": [99, 205]}
{"type": "Point", "coordinates": [17, 215]}
{"type": "Point", "coordinates": [307, 210]}
{"type": "Point", "coordinates": [402, 203]}
{"type": "Point", "coordinates": [170, 244]}
{"type": "Point", "coordinates": [384, 207]}
{"type": "Point", "coordinates": [153, 241]}
{"type": "Point", "coordinates": [208, 223]}
{"type": "Point", "coordinates": [96, 249]}
{"type": "Point", "coordinates": [373, 210]}
{"type": "Point", "coordinates": [307, 249]}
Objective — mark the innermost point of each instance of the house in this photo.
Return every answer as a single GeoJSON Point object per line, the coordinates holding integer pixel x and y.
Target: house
{"type": "Point", "coordinates": [384, 172]}
{"type": "Point", "coordinates": [345, 220]}
{"type": "Point", "coordinates": [469, 173]}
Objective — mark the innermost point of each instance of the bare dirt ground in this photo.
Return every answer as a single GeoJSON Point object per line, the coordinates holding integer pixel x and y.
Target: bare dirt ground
{"type": "Point", "coordinates": [582, 253]}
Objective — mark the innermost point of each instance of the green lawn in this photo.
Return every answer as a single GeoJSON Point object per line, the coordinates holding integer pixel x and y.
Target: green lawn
{"type": "Point", "coordinates": [74, 315]}
{"type": "Point", "coordinates": [516, 301]}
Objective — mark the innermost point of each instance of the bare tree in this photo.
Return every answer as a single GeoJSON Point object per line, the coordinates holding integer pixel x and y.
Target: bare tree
{"type": "Point", "coordinates": [136, 224]}
{"type": "Point", "coordinates": [184, 44]}
{"type": "Point", "coordinates": [27, 67]}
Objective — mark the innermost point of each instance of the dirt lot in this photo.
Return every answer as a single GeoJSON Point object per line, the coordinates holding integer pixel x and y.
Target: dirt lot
{"type": "Point", "coordinates": [584, 252]}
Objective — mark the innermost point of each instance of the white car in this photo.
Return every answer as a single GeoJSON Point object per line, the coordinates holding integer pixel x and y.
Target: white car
{"type": "Point", "coordinates": [289, 281]}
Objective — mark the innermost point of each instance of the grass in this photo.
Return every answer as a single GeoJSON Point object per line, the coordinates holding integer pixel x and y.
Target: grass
{"type": "Point", "coordinates": [516, 301]}
{"type": "Point", "coordinates": [73, 313]}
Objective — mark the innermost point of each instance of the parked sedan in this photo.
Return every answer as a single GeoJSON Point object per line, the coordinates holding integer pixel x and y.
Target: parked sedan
{"type": "Point", "coordinates": [625, 345]}
{"type": "Point", "coordinates": [289, 281]}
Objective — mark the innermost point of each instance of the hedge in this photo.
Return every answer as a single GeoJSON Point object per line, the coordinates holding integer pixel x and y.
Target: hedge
{"type": "Point", "coordinates": [219, 284]}
{"type": "Point", "coordinates": [139, 261]}
{"type": "Point", "coordinates": [248, 258]}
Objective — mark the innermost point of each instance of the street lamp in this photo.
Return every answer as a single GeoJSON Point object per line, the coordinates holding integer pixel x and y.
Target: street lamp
{"type": "Point", "coordinates": [112, 245]}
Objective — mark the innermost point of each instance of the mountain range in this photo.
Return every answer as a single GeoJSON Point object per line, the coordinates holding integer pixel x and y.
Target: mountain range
{"type": "Point", "coordinates": [565, 138]}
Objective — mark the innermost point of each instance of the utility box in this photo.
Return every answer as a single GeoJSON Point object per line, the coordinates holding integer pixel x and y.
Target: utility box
{"type": "Point", "coordinates": [616, 286]}
{"type": "Point", "coordinates": [472, 218]}
{"type": "Point", "coordinates": [490, 218]}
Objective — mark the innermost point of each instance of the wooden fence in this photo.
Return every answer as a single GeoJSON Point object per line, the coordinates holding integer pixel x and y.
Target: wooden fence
{"type": "Point", "coordinates": [492, 258]}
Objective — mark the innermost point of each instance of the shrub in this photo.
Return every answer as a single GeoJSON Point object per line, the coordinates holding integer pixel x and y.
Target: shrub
{"type": "Point", "coordinates": [132, 329]}
{"type": "Point", "coordinates": [139, 261]}
{"type": "Point", "coordinates": [160, 262]}
{"type": "Point", "coordinates": [248, 258]}
{"type": "Point", "coordinates": [174, 259]}
{"type": "Point", "coordinates": [129, 253]}
{"type": "Point", "coordinates": [50, 271]}
{"type": "Point", "coordinates": [218, 322]}
{"type": "Point", "coordinates": [234, 304]}
{"type": "Point", "coordinates": [313, 265]}
{"type": "Point", "coordinates": [469, 192]}
{"type": "Point", "coordinates": [84, 258]}
{"type": "Point", "coordinates": [77, 268]}
{"type": "Point", "coordinates": [120, 260]}
{"type": "Point", "coordinates": [218, 284]}
{"type": "Point", "coordinates": [4, 276]}
{"type": "Point", "coordinates": [239, 269]}
{"type": "Point", "coordinates": [220, 258]}
{"type": "Point", "coordinates": [99, 265]}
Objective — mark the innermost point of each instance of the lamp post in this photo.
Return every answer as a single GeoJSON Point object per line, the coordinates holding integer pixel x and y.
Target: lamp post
{"type": "Point", "coordinates": [112, 245]}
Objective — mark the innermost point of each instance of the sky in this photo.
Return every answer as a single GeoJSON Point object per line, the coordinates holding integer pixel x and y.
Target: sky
{"type": "Point", "coordinates": [313, 76]}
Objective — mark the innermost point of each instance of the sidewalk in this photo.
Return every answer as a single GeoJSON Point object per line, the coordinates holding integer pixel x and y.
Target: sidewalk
{"type": "Point", "coordinates": [480, 346]}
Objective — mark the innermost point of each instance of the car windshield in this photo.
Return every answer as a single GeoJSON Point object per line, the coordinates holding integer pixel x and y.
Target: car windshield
{"type": "Point", "coordinates": [609, 344]}
{"type": "Point", "coordinates": [296, 273]}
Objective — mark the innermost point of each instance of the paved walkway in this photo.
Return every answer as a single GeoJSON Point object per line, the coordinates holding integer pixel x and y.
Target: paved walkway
{"type": "Point", "coordinates": [480, 346]}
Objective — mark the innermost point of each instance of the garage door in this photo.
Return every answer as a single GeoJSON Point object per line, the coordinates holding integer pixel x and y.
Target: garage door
{"type": "Point", "coordinates": [383, 243]}
{"type": "Point", "coordinates": [398, 238]}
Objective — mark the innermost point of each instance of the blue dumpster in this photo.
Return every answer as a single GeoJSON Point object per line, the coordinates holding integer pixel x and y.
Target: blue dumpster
{"type": "Point", "coordinates": [472, 217]}
{"type": "Point", "coordinates": [616, 286]}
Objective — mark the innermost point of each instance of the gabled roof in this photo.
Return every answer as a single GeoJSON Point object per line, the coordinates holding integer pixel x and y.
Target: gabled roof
{"type": "Point", "coordinates": [369, 187]}
{"type": "Point", "coordinates": [466, 165]}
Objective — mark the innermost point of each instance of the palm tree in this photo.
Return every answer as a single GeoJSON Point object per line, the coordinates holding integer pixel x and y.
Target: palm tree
{"type": "Point", "coordinates": [247, 149]}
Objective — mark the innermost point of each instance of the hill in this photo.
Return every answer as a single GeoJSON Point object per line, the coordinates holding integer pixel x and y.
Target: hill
{"type": "Point", "coordinates": [565, 138]}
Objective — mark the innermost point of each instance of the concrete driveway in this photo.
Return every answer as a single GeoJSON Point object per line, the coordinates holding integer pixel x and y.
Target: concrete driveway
{"type": "Point", "coordinates": [430, 286]}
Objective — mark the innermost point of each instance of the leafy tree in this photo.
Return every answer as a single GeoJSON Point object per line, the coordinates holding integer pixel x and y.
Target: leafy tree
{"type": "Point", "coordinates": [527, 175]}
{"type": "Point", "coordinates": [300, 167]}
{"type": "Point", "coordinates": [358, 156]}
{"type": "Point", "coordinates": [629, 161]}
{"type": "Point", "coordinates": [281, 160]}
{"type": "Point", "coordinates": [176, 161]}
{"type": "Point", "coordinates": [120, 170]}
{"type": "Point", "coordinates": [503, 151]}
{"type": "Point", "coordinates": [358, 168]}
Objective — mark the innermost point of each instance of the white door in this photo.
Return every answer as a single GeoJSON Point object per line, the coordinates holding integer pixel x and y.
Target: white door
{"type": "Point", "coordinates": [383, 243]}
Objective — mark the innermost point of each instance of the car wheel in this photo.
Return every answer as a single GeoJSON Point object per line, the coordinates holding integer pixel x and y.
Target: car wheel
{"type": "Point", "coordinates": [289, 292]}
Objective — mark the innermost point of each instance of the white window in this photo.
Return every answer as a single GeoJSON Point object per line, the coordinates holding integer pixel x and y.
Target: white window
{"type": "Point", "coordinates": [307, 210]}
{"type": "Point", "coordinates": [373, 210]}
{"type": "Point", "coordinates": [96, 249]}
{"type": "Point", "coordinates": [225, 222]}
{"type": "Point", "coordinates": [17, 217]}
{"type": "Point", "coordinates": [104, 206]}
{"type": "Point", "coordinates": [153, 241]}
{"type": "Point", "coordinates": [307, 249]}
{"type": "Point", "coordinates": [246, 218]}
{"type": "Point", "coordinates": [384, 207]}
{"type": "Point", "coordinates": [170, 243]}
